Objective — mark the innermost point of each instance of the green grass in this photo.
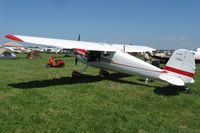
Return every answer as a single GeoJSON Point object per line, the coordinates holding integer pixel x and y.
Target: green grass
{"type": "Point", "coordinates": [36, 99]}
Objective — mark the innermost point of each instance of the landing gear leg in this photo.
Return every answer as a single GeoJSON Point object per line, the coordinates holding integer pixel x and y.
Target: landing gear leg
{"type": "Point", "coordinates": [76, 74]}
{"type": "Point", "coordinates": [188, 90]}
{"type": "Point", "coordinates": [103, 73]}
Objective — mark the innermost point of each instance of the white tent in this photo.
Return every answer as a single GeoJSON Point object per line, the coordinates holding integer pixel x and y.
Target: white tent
{"type": "Point", "coordinates": [12, 44]}
{"type": "Point", "coordinates": [14, 47]}
{"type": "Point", "coordinates": [6, 54]}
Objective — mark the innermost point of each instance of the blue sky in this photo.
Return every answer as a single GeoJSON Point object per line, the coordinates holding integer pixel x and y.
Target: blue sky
{"type": "Point", "coordinates": [162, 24]}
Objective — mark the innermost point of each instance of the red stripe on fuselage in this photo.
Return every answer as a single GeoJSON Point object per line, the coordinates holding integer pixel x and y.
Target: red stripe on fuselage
{"type": "Point", "coordinates": [178, 71]}
{"type": "Point", "coordinates": [13, 38]}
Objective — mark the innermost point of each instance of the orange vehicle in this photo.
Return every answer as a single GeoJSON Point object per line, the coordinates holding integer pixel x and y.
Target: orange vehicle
{"type": "Point", "coordinates": [58, 63]}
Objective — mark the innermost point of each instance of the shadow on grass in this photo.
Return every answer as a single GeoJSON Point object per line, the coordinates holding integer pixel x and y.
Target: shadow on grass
{"type": "Point", "coordinates": [169, 90]}
{"type": "Point", "coordinates": [116, 77]}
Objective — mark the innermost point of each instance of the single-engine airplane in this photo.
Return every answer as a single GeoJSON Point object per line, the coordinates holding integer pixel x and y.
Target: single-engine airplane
{"type": "Point", "coordinates": [179, 70]}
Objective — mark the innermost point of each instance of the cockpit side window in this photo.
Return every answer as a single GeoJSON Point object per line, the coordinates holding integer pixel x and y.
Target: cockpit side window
{"type": "Point", "coordinates": [94, 56]}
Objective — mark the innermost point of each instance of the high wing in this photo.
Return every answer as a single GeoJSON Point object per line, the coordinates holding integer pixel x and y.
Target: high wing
{"type": "Point", "coordinates": [70, 44]}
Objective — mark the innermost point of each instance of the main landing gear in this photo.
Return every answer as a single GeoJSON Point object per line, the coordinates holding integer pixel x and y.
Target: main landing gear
{"type": "Point", "coordinates": [76, 74]}
{"type": "Point", "coordinates": [102, 73]}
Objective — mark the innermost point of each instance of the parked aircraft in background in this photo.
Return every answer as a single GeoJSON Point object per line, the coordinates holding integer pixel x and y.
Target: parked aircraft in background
{"type": "Point", "coordinates": [164, 57]}
{"type": "Point", "coordinates": [197, 55]}
{"type": "Point", "coordinates": [179, 70]}
{"type": "Point", "coordinates": [7, 54]}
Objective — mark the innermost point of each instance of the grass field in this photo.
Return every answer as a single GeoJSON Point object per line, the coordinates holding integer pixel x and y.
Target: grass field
{"type": "Point", "coordinates": [36, 99]}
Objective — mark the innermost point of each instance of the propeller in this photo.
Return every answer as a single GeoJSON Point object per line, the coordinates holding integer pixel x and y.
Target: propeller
{"type": "Point", "coordinates": [76, 59]}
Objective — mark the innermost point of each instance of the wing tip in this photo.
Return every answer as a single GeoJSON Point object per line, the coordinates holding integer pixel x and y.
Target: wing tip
{"type": "Point", "coordinates": [13, 37]}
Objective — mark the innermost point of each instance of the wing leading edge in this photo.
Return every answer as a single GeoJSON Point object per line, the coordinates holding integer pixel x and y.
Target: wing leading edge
{"type": "Point", "coordinates": [70, 44]}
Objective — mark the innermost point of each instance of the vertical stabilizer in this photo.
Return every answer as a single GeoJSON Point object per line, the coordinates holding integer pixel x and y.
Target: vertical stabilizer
{"type": "Point", "coordinates": [182, 65]}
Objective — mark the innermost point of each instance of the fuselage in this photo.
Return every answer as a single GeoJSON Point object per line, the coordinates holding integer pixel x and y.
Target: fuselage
{"type": "Point", "coordinates": [121, 62]}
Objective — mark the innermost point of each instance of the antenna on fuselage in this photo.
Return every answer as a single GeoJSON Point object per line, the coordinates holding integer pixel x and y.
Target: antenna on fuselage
{"type": "Point", "coordinates": [124, 48]}
{"type": "Point", "coordinates": [79, 37]}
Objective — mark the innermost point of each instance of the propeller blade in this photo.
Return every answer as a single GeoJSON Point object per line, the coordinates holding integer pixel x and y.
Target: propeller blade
{"type": "Point", "coordinates": [76, 60]}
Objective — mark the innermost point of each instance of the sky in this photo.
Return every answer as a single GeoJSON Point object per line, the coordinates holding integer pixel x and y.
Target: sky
{"type": "Point", "coordinates": [161, 24]}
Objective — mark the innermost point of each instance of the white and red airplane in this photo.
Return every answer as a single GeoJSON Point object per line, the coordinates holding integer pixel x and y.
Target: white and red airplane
{"type": "Point", "coordinates": [179, 70]}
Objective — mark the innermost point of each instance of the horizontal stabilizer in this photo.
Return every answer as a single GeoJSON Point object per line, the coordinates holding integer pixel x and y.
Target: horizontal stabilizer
{"type": "Point", "coordinates": [172, 79]}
